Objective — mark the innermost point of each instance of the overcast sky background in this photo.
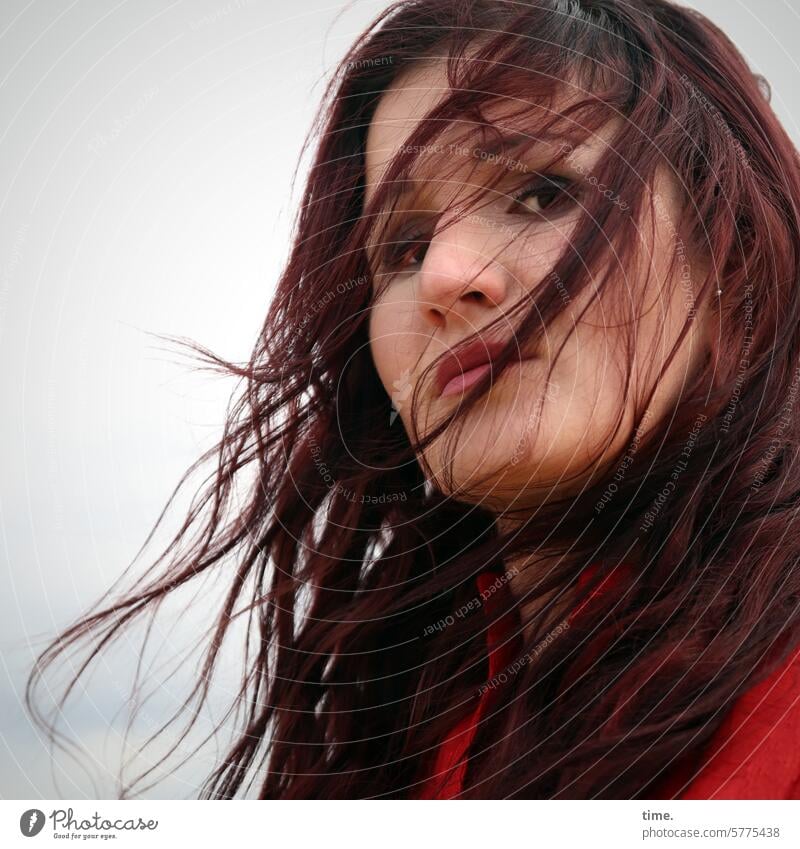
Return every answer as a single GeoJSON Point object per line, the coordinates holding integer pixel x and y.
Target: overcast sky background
{"type": "Point", "coordinates": [146, 153]}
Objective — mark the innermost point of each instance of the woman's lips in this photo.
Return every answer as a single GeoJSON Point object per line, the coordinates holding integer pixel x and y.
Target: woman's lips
{"type": "Point", "coordinates": [462, 382]}
{"type": "Point", "coordinates": [466, 358]}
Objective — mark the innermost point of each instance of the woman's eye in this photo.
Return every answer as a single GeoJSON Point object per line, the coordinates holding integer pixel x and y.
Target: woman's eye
{"type": "Point", "coordinates": [542, 193]}
{"type": "Point", "coordinates": [405, 252]}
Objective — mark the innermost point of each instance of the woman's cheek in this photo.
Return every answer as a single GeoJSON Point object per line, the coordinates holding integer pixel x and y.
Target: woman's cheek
{"type": "Point", "coordinates": [390, 344]}
{"type": "Point", "coordinates": [378, 342]}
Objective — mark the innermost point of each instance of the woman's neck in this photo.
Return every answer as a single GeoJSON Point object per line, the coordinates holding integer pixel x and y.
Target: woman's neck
{"type": "Point", "coordinates": [539, 610]}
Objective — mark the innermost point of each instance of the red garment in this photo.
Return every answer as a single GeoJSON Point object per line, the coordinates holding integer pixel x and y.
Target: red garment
{"type": "Point", "coordinates": [754, 754]}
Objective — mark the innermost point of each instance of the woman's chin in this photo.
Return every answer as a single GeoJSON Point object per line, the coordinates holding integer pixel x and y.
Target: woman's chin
{"type": "Point", "coordinates": [499, 479]}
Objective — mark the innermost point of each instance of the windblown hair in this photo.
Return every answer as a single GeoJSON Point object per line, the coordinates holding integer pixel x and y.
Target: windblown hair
{"type": "Point", "coordinates": [324, 522]}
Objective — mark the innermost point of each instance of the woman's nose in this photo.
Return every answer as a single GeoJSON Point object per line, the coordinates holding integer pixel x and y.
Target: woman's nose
{"type": "Point", "coordinates": [462, 275]}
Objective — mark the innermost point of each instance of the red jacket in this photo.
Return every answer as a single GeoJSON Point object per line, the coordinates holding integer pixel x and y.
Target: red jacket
{"type": "Point", "coordinates": [755, 753]}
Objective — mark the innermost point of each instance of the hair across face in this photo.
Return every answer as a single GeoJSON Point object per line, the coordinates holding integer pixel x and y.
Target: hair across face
{"type": "Point", "coordinates": [447, 272]}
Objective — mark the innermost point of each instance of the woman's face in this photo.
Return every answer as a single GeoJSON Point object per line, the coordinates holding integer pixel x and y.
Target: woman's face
{"type": "Point", "coordinates": [526, 439]}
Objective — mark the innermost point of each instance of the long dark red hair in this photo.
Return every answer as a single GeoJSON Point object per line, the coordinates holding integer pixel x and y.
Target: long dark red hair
{"type": "Point", "coordinates": [342, 558]}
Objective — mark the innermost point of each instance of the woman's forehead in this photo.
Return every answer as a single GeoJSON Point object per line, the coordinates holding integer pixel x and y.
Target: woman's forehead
{"type": "Point", "coordinates": [420, 88]}
{"type": "Point", "coordinates": [412, 95]}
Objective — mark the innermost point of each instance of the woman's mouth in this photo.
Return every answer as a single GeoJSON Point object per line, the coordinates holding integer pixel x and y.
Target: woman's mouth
{"type": "Point", "coordinates": [455, 369]}
{"type": "Point", "coordinates": [463, 381]}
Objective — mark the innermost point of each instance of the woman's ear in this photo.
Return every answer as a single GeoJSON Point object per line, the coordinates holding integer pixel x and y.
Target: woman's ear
{"type": "Point", "coordinates": [708, 316]}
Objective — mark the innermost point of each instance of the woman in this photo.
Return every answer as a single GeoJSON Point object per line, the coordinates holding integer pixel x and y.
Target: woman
{"type": "Point", "coordinates": [507, 495]}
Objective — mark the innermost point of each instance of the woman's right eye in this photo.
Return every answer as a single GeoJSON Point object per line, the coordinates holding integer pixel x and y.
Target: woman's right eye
{"type": "Point", "coordinates": [405, 252]}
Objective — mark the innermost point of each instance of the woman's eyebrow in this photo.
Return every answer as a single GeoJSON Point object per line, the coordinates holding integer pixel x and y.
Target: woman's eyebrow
{"type": "Point", "coordinates": [500, 144]}
{"type": "Point", "coordinates": [507, 142]}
